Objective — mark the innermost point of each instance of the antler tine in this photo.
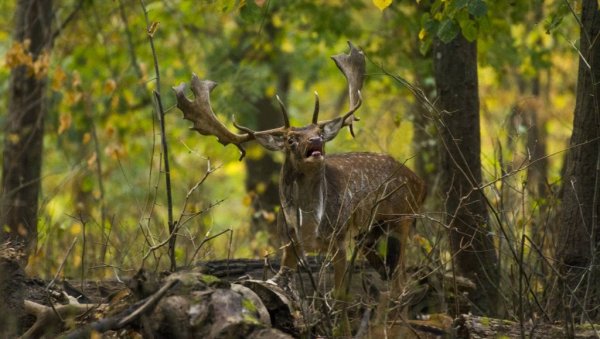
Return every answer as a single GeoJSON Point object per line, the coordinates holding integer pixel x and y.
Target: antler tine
{"type": "Point", "coordinates": [315, 119]}
{"type": "Point", "coordinates": [349, 117]}
{"type": "Point", "coordinates": [242, 128]}
{"type": "Point", "coordinates": [199, 111]}
{"type": "Point", "coordinates": [286, 118]}
{"type": "Point", "coordinates": [353, 67]}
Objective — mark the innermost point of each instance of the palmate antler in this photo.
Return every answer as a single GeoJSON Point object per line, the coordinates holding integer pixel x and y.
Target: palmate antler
{"type": "Point", "coordinates": [199, 110]}
{"type": "Point", "coordinates": [353, 67]}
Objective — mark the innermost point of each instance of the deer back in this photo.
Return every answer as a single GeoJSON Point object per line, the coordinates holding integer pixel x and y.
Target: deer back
{"type": "Point", "coordinates": [365, 188]}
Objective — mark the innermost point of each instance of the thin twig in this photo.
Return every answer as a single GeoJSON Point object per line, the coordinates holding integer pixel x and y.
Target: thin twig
{"type": "Point", "coordinates": [65, 23]}
{"type": "Point", "coordinates": [62, 264]}
{"type": "Point", "coordinates": [165, 148]}
{"type": "Point", "coordinates": [206, 239]}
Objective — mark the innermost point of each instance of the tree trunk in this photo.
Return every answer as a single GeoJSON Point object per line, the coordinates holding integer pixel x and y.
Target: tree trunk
{"type": "Point", "coordinates": [455, 67]}
{"type": "Point", "coordinates": [579, 231]}
{"type": "Point", "coordinates": [262, 171]}
{"type": "Point", "coordinates": [24, 130]}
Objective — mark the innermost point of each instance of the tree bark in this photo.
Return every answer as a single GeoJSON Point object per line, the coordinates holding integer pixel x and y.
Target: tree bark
{"type": "Point", "coordinates": [24, 129]}
{"type": "Point", "coordinates": [262, 170]}
{"type": "Point", "coordinates": [455, 68]}
{"type": "Point", "coordinates": [578, 220]}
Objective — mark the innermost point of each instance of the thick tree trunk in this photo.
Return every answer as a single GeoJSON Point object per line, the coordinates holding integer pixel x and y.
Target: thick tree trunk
{"type": "Point", "coordinates": [579, 229]}
{"type": "Point", "coordinates": [455, 67]}
{"type": "Point", "coordinates": [24, 130]}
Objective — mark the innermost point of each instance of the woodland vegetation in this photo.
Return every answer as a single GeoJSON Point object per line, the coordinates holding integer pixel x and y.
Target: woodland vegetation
{"type": "Point", "coordinates": [492, 103]}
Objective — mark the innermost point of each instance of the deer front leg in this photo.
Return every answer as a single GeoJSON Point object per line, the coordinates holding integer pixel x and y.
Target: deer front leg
{"type": "Point", "coordinates": [402, 232]}
{"type": "Point", "coordinates": [339, 269]}
{"type": "Point", "coordinates": [395, 258]}
{"type": "Point", "coordinates": [292, 251]}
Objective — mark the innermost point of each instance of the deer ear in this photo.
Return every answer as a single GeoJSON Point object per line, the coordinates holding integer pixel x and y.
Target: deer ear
{"type": "Point", "coordinates": [331, 128]}
{"type": "Point", "coordinates": [270, 141]}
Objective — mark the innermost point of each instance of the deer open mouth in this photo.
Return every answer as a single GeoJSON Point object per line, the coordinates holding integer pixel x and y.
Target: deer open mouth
{"type": "Point", "coordinates": [315, 151]}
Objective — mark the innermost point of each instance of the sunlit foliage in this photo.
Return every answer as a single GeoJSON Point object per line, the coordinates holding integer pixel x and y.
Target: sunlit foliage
{"type": "Point", "coordinates": [102, 174]}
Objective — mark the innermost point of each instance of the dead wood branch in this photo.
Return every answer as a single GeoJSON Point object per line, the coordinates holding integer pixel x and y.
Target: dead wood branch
{"type": "Point", "coordinates": [50, 320]}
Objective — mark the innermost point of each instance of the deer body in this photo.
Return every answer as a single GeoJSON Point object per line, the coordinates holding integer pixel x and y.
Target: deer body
{"type": "Point", "coordinates": [326, 199]}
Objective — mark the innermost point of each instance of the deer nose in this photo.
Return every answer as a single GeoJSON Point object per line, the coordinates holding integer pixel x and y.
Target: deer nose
{"type": "Point", "coordinates": [315, 139]}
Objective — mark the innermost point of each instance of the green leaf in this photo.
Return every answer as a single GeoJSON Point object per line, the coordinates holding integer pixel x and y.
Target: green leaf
{"type": "Point", "coordinates": [250, 12]}
{"type": "Point", "coordinates": [448, 30]}
{"type": "Point", "coordinates": [227, 6]}
{"type": "Point", "coordinates": [456, 5]}
{"type": "Point", "coordinates": [469, 29]}
{"type": "Point", "coordinates": [477, 8]}
{"type": "Point", "coordinates": [429, 24]}
{"type": "Point", "coordinates": [552, 23]}
{"type": "Point", "coordinates": [424, 46]}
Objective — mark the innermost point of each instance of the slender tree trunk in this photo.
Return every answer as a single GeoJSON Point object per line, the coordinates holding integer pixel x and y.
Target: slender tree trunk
{"type": "Point", "coordinates": [24, 129]}
{"type": "Point", "coordinates": [455, 67]}
{"type": "Point", "coordinates": [578, 220]}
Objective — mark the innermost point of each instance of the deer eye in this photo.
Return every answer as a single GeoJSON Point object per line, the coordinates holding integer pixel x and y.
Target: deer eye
{"type": "Point", "coordinates": [291, 141]}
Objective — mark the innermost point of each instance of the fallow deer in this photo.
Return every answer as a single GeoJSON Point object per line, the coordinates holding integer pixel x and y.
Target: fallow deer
{"type": "Point", "coordinates": [326, 199]}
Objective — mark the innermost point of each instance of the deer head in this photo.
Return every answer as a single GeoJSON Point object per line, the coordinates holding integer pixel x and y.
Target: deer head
{"type": "Point", "coordinates": [304, 146]}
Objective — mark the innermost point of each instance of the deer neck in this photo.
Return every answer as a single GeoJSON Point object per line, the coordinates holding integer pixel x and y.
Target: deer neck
{"type": "Point", "coordinates": [303, 195]}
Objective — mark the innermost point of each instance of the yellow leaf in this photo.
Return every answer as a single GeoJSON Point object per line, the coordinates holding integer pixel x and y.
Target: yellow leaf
{"type": "Point", "coordinates": [114, 102]}
{"type": "Point", "coordinates": [76, 81]}
{"type": "Point", "coordinates": [278, 21]}
{"type": "Point", "coordinates": [261, 187]}
{"type": "Point", "coordinates": [14, 138]}
{"type": "Point", "coordinates": [115, 151]}
{"type": "Point", "coordinates": [73, 97]}
{"type": "Point", "coordinates": [75, 229]}
{"type": "Point", "coordinates": [153, 27]}
{"type": "Point", "coordinates": [18, 55]}
{"type": "Point", "coordinates": [64, 122]}
{"type": "Point", "coordinates": [233, 168]}
{"type": "Point", "coordinates": [109, 86]}
{"type": "Point", "coordinates": [255, 152]}
{"type": "Point", "coordinates": [58, 79]}
{"type": "Point", "coordinates": [247, 200]}
{"type": "Point", "coordinates": [423, 242]}
{"type": "Point", "coordinates": [269, 216]}
{"type": "Point", "coordinates": [92, 160]}
{"type": "Point", "coordinates": [86, 138]}
{"type": "Point", "coordinates": [270, 91]}
{"type": "Point", "coordinates": [422, 34]}
{"type": "Point", "coordinates": [287, 46]}
{"type": "Point", "coordinates": [110, 131]}
{"type": "Point", "coordinates": [40, 67]}
{"type": "Point", "coordinates": [382, 4]}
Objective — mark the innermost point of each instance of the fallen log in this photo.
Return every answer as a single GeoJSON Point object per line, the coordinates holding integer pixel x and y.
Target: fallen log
{"type": "Point", "coordinates": [475, 327]}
